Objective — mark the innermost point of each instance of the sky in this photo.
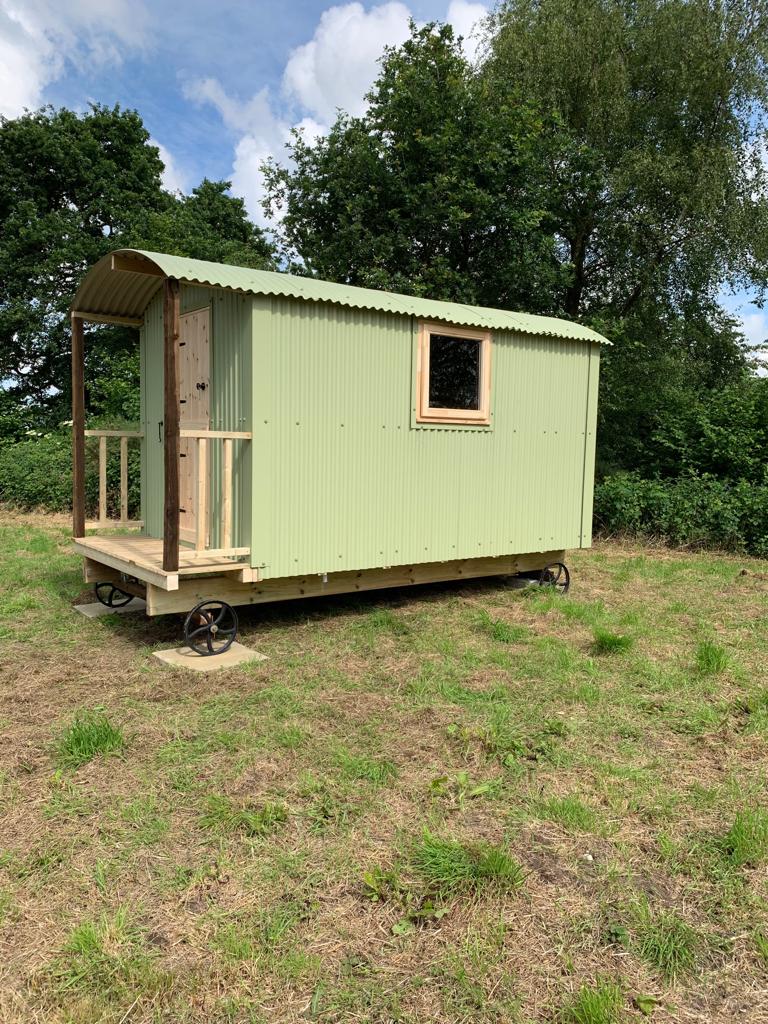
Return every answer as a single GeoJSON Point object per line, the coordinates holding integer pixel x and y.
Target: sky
{"type": "Point", "coordinates": [220, 83]}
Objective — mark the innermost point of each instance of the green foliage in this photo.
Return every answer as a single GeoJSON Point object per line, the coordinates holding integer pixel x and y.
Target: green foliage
{"type": "Point", "coordinates": [569, 811]}
{"type": "Point", "coordinates": [434, 190]}
{"type": "Point", "coordinates": [761, 945]}
{"type": "Point", "coordinates": [504, 739]}
{"type": "Point", "coordinates": [36, 473]}
{"type": "Point", "coordinates": [448, 867]}
{"type": "Point", "coordinates": [746, 842]}
{"type": "Point", "coordinates": [369, 769]}
{"type": "Point", "coordinates": [106, 957]}
{"type": "Point", "coordinates": [90, 734]}
{"type": "Point", "coordinates": [646, 199]}
{"type": "Point", "coordinates": [382, 884]}
{"type": "Point", "coordinates": [207, 224]}
{"type": "Point", "coordinates": [594, 1004]}
{"type": "Point", "coordinates": [499, 630]}
{"type": "Point", "coordinates": [73, 187]}
{"type": "Point", "coordinates": [689, 511]}
{"type": "Point", "coordinates": [666, 942]}
{"type": "Point", "coordinates": [711, 658]}
{"type": "Point", "coordinates": [222, 815]}
{"type": "Point", "coordinates": [606, 642]}
{"type": "Point", "coordinates": [262, 935]}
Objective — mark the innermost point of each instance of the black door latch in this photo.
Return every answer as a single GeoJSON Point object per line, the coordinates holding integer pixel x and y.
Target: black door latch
{"type": "Point", "coordinates": [200, 386]}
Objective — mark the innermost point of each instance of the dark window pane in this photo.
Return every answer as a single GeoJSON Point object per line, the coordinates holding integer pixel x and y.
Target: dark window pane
{"type": "Point", "coordinates": [454, 372]}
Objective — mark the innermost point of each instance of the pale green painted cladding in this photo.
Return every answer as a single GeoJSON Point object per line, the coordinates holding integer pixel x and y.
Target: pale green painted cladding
{"type": "Point", "coordinates": [230, 355]}
{"type": "Point", "coordinates": [338, 475]}
{"type": "Point", "coordinates": [344, 481]}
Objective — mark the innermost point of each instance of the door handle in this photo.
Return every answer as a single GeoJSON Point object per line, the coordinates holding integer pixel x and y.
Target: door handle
{"type": "Point", "coordinates": [160, 431]}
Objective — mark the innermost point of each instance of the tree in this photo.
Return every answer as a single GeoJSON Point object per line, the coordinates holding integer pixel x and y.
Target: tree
{"type": "Point", "coordinates": [657, 192]}
{"type": "Point", "coordinates": [435, 190]}
{"type": "Point", "coordinates": [656, 185]}
{"type": "Point", "coordinates": [208, 224]}
{"type": "Point", "coordinates": [72, 188]}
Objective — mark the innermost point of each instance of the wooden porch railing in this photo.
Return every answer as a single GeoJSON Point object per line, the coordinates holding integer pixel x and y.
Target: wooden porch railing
{"type": "Point", "coordinates": [202, 511]}
{"type": "Point", "coordinates": [103, 522]}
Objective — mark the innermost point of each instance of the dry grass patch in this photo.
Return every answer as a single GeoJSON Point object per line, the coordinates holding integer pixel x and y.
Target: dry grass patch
{"type": "Point", "coordinates": [445, 804]}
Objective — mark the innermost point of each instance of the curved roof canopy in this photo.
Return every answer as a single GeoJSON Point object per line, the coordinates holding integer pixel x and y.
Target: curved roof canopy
{"type": "Point", "coordinates": [121, 285]}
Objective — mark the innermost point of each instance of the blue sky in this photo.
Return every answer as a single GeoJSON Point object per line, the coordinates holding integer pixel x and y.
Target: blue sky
{"type": "Point", "coordinates": [219, 85]}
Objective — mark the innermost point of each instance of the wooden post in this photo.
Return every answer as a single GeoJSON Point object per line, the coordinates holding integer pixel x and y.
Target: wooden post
{"type": "Point", "coordinates": [226, 493]}
{"type": "Point", "coordinates": [201, 504]}
{"type": "Point", "coordinates": [102, 479]}
{"type": "Point", "coordinates": [78, 426]}
{"type": "Point", "coordinates": [123, 479]}
{"type": "Point", "coordinates": [171, 424]}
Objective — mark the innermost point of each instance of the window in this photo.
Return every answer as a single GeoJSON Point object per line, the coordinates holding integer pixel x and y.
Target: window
{"type": "Point", "coordinates": [453, 375]}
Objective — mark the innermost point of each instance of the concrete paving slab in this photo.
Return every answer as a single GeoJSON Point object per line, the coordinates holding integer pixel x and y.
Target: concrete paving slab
{"type": "Point", "coordinates": [97, 609]}
{"type": "Point", "coordinates": [183, 657]}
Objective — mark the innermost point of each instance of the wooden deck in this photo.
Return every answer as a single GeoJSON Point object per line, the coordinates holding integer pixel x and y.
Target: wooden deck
{"type": "Point", "coordinates": [142, 557]}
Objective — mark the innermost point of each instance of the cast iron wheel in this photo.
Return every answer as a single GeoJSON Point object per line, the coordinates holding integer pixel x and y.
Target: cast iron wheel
{"type": "Point", "coordinates": [556, 577]}
{"type": "Point", "coordinates": [112, 596]}
{"type": "Point", "coordinates": [210, 628]}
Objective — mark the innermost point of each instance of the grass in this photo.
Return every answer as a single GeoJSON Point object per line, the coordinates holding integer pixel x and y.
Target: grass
{"type": "Point", "coordinates": [90, 733]}
{"type": "Point", "coordinates": [453, 803]}
{"type": "Point", "coordinates": [710, 658]}
{"type": "Point", "coordinates": [500, 631]}
{"type": "Point", "coordinates": [106, 961]}
{"type": "Point", "coordinates": [448, 867]}
{"type": "Point", "coordinates": [666, 942]}
{"type": "Point", "coordinates": [569, 811]}
{"type": "Point", "coordinates": [606, 642]}
{"type": "Point", "coordinates": [594, 1004]}
{"type": "Point", "coordinates": [222, 815]}
{"type": "Point", "coordinates": [746, 842]}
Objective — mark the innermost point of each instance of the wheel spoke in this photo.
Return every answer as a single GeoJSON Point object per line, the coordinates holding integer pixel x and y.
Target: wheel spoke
{"type": "Point", "coordinates": [200, 631]}
{"type": "Point", "coordinates": [203, 629]}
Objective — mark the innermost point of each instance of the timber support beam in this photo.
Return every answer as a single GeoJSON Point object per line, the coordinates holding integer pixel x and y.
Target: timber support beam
{"type": "Point", "coordinates": [171, 304]}
{"type": "Point", "coordinates": [78, 428]}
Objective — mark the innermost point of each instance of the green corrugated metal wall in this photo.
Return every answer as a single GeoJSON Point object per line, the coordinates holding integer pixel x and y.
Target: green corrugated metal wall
{"type": "Point", "coordinates": [342, 481]}
{"type": "Point", "coordinates": [230, 355]}
{"type": "Point", "coordinates": [340, 477]}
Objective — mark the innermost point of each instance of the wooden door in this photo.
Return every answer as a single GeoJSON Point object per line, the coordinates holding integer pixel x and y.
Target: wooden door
{"type": "Point", "coordinates": [194, 399]}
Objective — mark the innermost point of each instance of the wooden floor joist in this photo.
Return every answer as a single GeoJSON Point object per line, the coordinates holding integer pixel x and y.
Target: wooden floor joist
{"type": "Point", "coordinates": [226, 588]}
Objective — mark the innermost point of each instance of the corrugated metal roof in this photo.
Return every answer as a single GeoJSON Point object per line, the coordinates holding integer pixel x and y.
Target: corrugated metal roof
{"type": "Point", "coordinates": [119, 293]}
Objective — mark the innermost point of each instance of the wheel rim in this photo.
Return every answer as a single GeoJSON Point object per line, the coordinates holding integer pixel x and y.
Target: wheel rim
{"type": "Point", "coordinates": [111, 596]}
{"type": "Point", "coordinates": [210, 628]}
{"type": "Point", "coordinates": [556, 576]}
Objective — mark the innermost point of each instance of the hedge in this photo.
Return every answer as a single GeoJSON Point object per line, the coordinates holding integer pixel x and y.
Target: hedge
{"type": "Point", "coordinates": [691, 511]}
{"type": "Point", "coordinates": [37, 474]}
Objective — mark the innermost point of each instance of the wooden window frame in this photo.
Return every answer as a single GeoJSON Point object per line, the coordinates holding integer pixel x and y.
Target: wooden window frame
{"type": "Point", "coordinates": [467, 417]}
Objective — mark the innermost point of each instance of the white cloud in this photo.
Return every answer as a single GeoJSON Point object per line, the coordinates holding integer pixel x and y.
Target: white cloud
{"type": "Point", "coordinates": [262, 134]}
{"type": "Point", "coordinates": [466, 18]}
{"type": "Point", "coordinates": [336, 67]}
{"type": "Point", "coordinates": [333, 71]}
{"type": "Point", "coordinates": [173, 178]}
{"type": "Point", "coordinates": [755, 327]}
{"type": "Point", "coordinates": [37, 37]}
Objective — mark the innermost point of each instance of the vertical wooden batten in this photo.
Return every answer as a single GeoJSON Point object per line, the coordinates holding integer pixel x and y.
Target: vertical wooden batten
{"type": "Point", "coordinates": [171, 424]}
{"type": "Point", "coordinates": [78, 428]}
